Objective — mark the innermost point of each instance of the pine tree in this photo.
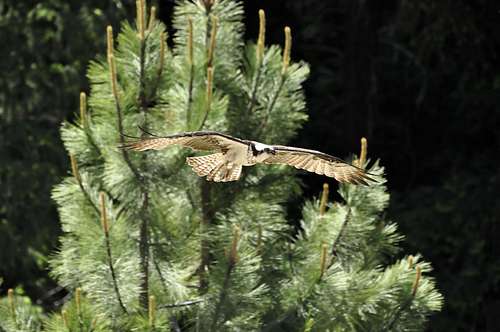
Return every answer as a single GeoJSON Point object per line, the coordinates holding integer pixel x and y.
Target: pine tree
{"type": "Point", "coordinates": [148, 245]}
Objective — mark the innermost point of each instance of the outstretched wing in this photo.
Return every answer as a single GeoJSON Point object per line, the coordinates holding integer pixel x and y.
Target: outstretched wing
{"type": "Point", "coordinates": [319, 163]}
{"type": "Point", "coordinates": [196, 140]}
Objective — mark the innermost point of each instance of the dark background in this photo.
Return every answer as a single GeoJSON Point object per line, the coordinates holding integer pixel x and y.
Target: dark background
{"type": "Point", "coordinates": [420, 79]}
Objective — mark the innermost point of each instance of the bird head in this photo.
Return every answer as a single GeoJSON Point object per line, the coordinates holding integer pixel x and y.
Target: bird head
{"type": "Point", "coordinates": [270, 151]}
{"type": "Point", "coordinates": [259, 149]}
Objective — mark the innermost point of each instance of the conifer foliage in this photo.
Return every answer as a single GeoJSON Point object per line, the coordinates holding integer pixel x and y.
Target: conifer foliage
{"type": "Point", "coordinates": [149, 246]}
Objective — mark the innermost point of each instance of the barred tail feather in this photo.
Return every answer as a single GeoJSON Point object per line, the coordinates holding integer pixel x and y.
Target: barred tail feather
{"type": "Point", "coordinates": [235, 173]}
{"type": "Point", "coordinates": [215, 168]}
{"type": "Point", "coordinates": [217, 173]}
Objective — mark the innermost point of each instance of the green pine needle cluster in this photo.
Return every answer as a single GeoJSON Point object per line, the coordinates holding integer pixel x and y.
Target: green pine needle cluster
{"type": "Point", "coordinates": [148, 246]}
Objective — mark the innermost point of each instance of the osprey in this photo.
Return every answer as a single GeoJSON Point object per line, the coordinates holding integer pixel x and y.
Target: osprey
{"type": "Point", "coordinates": [232, 153]}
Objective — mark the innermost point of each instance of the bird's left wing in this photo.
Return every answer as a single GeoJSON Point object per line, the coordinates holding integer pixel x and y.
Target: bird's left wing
{"type": "Point", "coordinates": [196, 140]}
{"type": "Point", "coordinates": [319, 163]}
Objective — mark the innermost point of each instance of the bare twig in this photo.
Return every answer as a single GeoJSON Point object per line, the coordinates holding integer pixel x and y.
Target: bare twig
{"type": "Point", "coordinates": [180, 304]}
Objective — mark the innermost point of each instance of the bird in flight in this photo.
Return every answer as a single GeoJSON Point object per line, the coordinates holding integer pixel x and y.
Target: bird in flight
{"type": "Point", "coordinates": [231, 154]}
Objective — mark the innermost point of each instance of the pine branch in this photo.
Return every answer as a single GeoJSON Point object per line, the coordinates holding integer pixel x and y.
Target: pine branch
{"type": "Point", "coordinates": [210, 69]}
{"type": "Point", "coordinates": [286, 63]}
{"type": "Point", "coordinates": [161, 64]}
{"type": "Point", "coordinates": [255, 85]}
{"type": "Point", "coordinates": [165, 289]}
{"type": "Point", "coordinates": [342, 230]}
{"type": "Point", "coordinates": [322, 264]}
{"type": "Point", "coordinates": [143, 106]}
{"type": "Point", "coordinates": [324, 200]}
{"type": "Point", "coordinates": [162, 278]}
{"type": "Point", "coordinates": [143, 235]}
{"type": "Point", "coordinates": [308, 298]}
{"type": "Point", "coordinates": [259, 55]}
{"type": "Point", "coordinates": [208, 10]}
{"type": "Point", "coordinates": [76, 175]}
{"type": "Point", "coordinates": [206, 221]}
{"type": "Point", "coordinates": [105, 227]}
{"type": "Point", "coordinates": [222, 297]}
{"type": "Point", "coordinates": [78, 292]}
{"type": "Point", "coordinates": [270, 108]}
{"type": "Point", "coordinates": [232, 260]}
{"type": "Point", "coordinates": [85, 122]}
{"type": "Point", "coordinates": [191, 73]}
{"type": "Point", "coordinates": [208, 98]}
{"type": "Point", "coordinates": [206, 205]}
{"type": "Point", "coordinates": [211, 40]}
{"type": "Point", "coordinates": [407, 303]}
{"type": "Point", "coordinates": [144, 253]}
{"type": "Point", "coordinates": [114, 86]}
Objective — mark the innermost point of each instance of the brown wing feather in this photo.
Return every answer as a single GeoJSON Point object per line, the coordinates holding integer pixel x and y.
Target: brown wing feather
{"type": "Point", "coordinates": [203, 165]}
{"type": "Point", "coordinates": [319, 163]}
{"type": "Point", "coordinates": [198, 140]}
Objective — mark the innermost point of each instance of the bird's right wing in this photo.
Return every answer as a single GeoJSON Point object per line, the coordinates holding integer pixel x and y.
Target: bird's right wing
{"type": "Point", "coordinates": [197, 140]}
